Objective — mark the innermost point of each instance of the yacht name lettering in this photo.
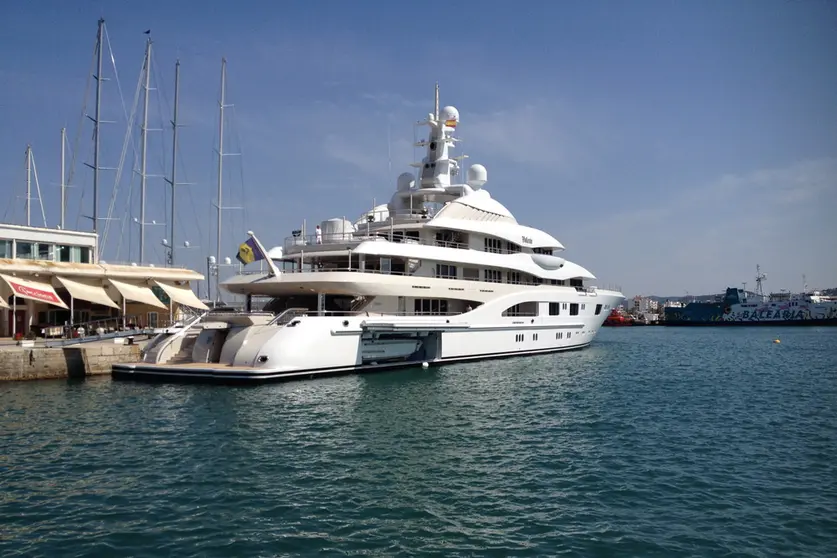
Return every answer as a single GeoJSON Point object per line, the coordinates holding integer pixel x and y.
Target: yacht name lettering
{"type": "Point", "coordinates": [527, 240]}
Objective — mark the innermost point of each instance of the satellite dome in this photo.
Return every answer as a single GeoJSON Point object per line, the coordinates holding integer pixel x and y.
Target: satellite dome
{"type": "Point", "coordinates": [477, 176]}
{"type": "Point", "coordinates": [448, 114]}
{"type": "Point", "coordinates": [405, 181]}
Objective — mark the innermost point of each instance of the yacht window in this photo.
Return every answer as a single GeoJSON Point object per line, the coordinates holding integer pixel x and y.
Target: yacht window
{"type": "Point", "coordinates": [386, 265]}
{"type": "Point", "coordinates": [24, 250]}
{"type": "Point", "coordinates": [494, 245]}
{"type": "Point", "coordinates": [573, 309]}
{"type": "Point", "coordinates": [554, 308]}
{"type": "Point", "coordinates": [430, 306]}
{"type": "Point", "coordinates": [514, 277]}
{"type": "Point", "coordinates": [470, 274]}
{"type": "Point", "coordinates": [5, 248]}
{"type": "Point", "coordinates": [445, 271]}
{"type": "Point", "coordinates": [522, 309]}
{"type": "Point", "coordinates": [493, 275]}
{"type": "Point", "coordinates": [576, 283]}
{"type": "Point", "coordinates": [598, 309]}
{"type": "Point", "coordinates": [512, 248]}
{"type": "Point", "coordinates": [547, 251]}
{"type": "Point", "coordinates": [563, 306]}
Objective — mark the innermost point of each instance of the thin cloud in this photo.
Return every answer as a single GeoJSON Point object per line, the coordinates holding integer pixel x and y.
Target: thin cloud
{"type": "Point", "coordinates": [713, 235]}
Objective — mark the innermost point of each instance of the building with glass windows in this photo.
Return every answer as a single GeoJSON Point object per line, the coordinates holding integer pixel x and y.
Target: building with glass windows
{"type": "Point", "coordinates": [52, 284]}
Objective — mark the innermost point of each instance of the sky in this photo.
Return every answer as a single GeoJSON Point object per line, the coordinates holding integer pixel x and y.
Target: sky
{"type": "Point", "coordinates": [671, 146]}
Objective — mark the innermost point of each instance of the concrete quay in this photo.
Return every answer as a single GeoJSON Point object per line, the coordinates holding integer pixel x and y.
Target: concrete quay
{"type": "Point", "coordinates": [73, 361]}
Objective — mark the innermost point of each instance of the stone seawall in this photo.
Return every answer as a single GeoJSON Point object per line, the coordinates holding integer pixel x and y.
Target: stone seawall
{"type": "Point", "coordinates": [33, 363]}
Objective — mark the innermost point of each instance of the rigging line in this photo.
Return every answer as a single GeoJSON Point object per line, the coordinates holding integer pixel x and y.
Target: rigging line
{"type": "Point", "coordinates": [163, 154]}
{"type": "Point", "coordinates": [240, 165]}
{"type": "Point", "coordinates": [38, 188]}
{"type": "Point", "coordinates": [130, 195]}
{"type": "Point", "coordinates": [125, 113]}
{"type": "Point", "coordinates": [74, 147]}
{"type": "Point", "coordinates": [162, 103]}
{"type": "Point", "coordinates": [185, 172]}
{"type": "Point", "coordinates": [129, 140]}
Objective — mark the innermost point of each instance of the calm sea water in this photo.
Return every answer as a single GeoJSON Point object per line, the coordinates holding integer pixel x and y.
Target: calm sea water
{"type": "Point", "coordinates": [653, 442]}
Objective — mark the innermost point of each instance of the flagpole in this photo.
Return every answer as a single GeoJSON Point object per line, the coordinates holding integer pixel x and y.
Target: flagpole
{"type": "Point", "coordinates": [273, 269]}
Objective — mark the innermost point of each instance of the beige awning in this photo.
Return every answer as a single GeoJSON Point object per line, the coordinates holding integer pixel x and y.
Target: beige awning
{"type": "Point", "coordinates": [34, 288]}
{"type": "Point", "coordinates": [87, 289]}
{"type": "Point", "coordinates": [3, 303]}
{"type": "Point", "coordinates": [182, 294]}
{"type": "Point", "coordinates": [137, 292]}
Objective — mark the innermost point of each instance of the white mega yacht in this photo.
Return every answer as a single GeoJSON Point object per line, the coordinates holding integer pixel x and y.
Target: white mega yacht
{"type": "Point", "coordinates": [442, 273]}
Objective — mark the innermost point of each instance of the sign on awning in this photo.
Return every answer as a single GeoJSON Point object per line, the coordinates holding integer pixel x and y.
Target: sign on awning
{"type": "Point", "coordinates": [89, 290]}
{"type": "Point", "coordinates": [137, 292]}
{"type": "Point", "coordinates": [182, 294]}
{"type": "Point", "coordinates": [33, 288]}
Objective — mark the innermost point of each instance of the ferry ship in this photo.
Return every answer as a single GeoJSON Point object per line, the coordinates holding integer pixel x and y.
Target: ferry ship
{"type": "Point", "coordinates": [737, 307]}
{"type": "Point", "coordinates": [442, 273]}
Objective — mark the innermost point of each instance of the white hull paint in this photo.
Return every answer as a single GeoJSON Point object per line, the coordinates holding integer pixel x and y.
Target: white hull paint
{"type": "Point", "coordinates": [442, 273]}
{"type": "Point", "coordinates": [326, 345]}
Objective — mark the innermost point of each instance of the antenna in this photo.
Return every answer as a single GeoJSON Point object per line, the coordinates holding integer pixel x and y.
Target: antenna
{"type": "Point", "coordinates": [436, 106]}
{"type": "Point", "coordinates": [760, 277]}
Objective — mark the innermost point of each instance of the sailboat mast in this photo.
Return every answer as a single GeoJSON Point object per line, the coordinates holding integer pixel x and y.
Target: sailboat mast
{"type": "Point", "coordinates": [63, 185]}
{"type": "Point", "coordinates": [221, 156]}
{"type": "Point", "coordinates": [144, 150]}
{"type": "Point", "coordinates": [99, 49]}
{"type": "Point", "coordinates": [174, 159]}
{"type": "Point", "coordinates": [28, 185]}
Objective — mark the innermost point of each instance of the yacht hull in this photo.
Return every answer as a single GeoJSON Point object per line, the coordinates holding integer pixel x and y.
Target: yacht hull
{"type": "Point", "coordinates": [310, 346]}
{"type": "Point", "coordinates": [224, 374]}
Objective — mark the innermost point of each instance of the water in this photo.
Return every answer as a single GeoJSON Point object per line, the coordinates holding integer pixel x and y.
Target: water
{"type": "Point", "coordinates": [653, 442]}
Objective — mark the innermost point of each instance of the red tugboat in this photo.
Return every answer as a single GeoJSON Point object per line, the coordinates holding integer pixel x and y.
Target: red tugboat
{"type": "Point", "coordinates": [618, 317]}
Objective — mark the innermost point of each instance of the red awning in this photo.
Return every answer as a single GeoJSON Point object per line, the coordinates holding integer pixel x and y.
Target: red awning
{"type": "Point", "coordinates": [37, 289]}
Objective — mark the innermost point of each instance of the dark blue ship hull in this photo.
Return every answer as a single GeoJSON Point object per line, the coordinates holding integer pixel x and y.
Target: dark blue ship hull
{"type": "Point", "coordinates": [734, 310]}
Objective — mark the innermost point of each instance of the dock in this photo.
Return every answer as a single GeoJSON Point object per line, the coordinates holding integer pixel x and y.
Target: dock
{"type": "Point", "coordinates": [39, 362]}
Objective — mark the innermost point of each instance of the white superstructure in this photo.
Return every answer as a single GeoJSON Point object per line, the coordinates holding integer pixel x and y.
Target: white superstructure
{"type": "Point", "coordinates": [441, 273]}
